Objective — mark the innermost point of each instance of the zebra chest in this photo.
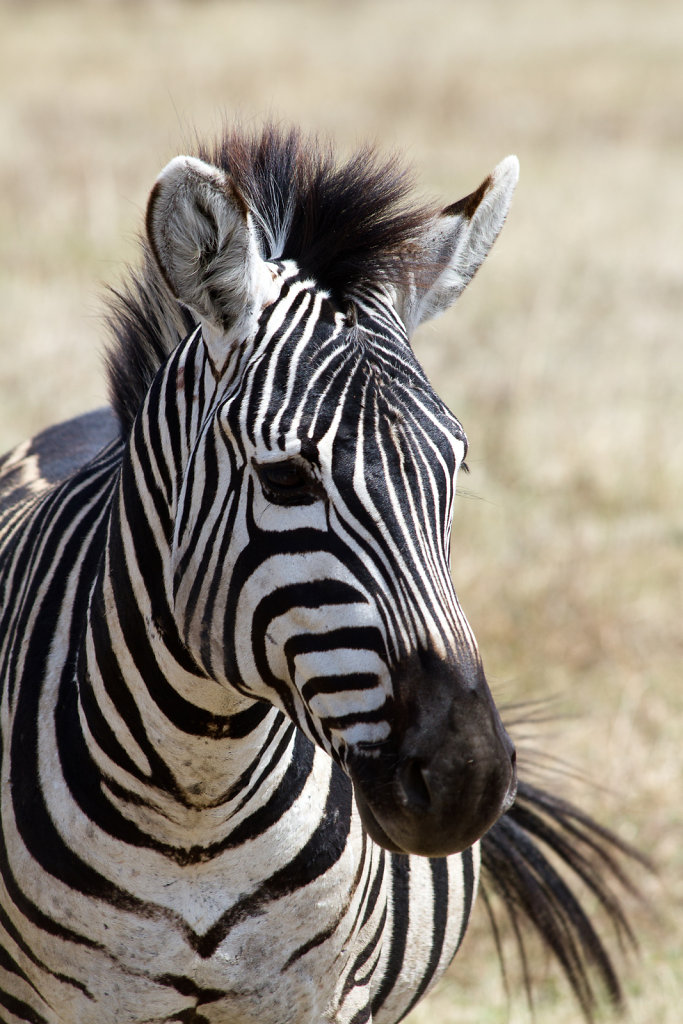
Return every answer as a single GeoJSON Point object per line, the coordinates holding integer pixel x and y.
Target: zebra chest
{"type": "Point", "coordinates": [279, 966]}
{"type": "Point", "coordinates": [250, 959]}
{"type": "Point", "coordinates": [263, 930]}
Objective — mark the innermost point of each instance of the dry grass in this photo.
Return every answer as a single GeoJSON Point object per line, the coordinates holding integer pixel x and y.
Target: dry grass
{"type": "Point", "coordinates": [564, 359]}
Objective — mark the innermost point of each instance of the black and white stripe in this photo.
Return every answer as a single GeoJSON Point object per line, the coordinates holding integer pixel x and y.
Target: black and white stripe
{"type": "Point", "coordinates": [228, 612]}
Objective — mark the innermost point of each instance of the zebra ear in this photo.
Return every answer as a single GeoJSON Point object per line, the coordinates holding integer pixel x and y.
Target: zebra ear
{"type": "Point", "coordinates": [456, 245]}
{"type": "Point", "coordinates": [202, 236]}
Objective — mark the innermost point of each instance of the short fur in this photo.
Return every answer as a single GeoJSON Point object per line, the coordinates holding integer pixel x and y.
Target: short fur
{"type": "Point", "coordinates": [351, 225]}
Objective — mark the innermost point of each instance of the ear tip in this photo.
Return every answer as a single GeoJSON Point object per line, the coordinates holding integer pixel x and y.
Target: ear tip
{"type": "Point", "coordinates": [179, 167]}
{"type": "Point", "coordinates": [507, 171]}
{"type": "Point", "coordinates": [178, 181]}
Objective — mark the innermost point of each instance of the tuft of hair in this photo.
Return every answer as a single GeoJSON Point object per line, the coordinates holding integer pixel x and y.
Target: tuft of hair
{"type": "Point", "coordinates": [345, 224]}
{"type": "Point", "coordinates": [526, 858]}
{"type": "Point", "coordinates": [146, 323]}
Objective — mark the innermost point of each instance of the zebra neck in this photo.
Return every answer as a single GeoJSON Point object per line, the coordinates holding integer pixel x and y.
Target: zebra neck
{"type": "Point", "coordinates": [173, 758]}
{"type": "Point", "coordinates": [173, 749]}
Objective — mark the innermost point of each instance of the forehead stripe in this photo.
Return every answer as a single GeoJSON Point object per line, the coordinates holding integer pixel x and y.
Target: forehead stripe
{"type": "Point", "coordinates": [293, 364]}
{"type": "Point", "coordinates": [259, 426]}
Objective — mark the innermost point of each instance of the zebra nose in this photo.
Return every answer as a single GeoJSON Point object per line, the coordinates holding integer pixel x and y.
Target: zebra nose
{"type": "Point", "coordinates": [420, 790]}
{"type": "Point", "coordinates": [414, 781]}
{"type": "Point", "coordinates": [433, 804]}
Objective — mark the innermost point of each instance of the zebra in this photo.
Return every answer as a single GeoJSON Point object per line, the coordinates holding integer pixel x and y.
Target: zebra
{"type": "Point", "coordinates": [251, 765]}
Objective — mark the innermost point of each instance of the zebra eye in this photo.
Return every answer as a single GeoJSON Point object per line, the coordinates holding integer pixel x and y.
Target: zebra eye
{"type": "Point", "coordinates": [288, 482]}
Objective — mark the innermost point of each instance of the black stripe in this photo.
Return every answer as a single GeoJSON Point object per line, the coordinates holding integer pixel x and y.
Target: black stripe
{"type": "Point", "coordinates": [322, 936]}
{"type": "Point", "coordinates": [468, 880]}
{"type": "Point", "coordinates": [320, 853]}
{"type": "Point", "coordinates": [354, 638]}
{"type": "Point", "coordinates": [371, 948]}
{"type": "Point", "coordinates": [439, 870]}
{"type": "Point", "coordinates": [21, 1010]}
{"type": "Point", "coordinates": [317, 685]}
{"type": "Point", "coordinates": [143, 457]}
{"type": "Point", "coordinates": [100, 730]}
{"type": "Point", "coordinates": [277, 603]}
{"type": "Point", "coordinates": [400, 904]}
{"type": "Point", "coordinates": [185, 716]}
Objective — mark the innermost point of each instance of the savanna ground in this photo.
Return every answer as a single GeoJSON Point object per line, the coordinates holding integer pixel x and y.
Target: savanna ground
{"type": "Point", "coordinates": [563, 360]}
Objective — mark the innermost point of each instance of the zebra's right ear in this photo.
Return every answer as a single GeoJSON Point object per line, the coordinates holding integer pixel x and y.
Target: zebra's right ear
{"type": "Point", "coordinates": [202, 236]}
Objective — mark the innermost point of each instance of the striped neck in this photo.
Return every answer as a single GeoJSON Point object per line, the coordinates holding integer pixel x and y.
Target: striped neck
{"type": "Point", "coordinates": [175, 751]}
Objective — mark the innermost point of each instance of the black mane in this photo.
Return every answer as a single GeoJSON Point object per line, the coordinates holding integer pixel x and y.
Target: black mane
{"type": "Point", "coordinates": [345, 224]}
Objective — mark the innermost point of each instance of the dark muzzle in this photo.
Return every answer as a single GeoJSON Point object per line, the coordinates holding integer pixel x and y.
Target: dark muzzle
{"type": "Point", "coordinates": [448, 771]}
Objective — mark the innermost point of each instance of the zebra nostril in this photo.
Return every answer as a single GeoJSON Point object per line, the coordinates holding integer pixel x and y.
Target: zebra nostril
{"type": "Point", "coordinates": [414, 789]}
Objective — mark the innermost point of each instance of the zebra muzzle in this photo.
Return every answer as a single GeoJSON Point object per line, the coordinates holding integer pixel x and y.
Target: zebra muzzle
{"type": "Point", "coordinates": [446, 774]}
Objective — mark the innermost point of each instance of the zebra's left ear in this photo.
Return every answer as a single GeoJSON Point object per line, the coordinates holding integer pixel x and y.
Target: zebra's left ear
{"type": "Point", "coordinates": [457, 242]}
{"type": "Point", "coordinates": [202, 236]}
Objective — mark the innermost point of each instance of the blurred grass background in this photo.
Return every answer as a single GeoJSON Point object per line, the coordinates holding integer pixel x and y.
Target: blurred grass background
{"type": "Point", "coordinates": [564, 360]}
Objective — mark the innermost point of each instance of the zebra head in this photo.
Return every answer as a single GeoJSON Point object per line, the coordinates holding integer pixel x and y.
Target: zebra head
{"type": "Point", "coordinates": [312, 524]}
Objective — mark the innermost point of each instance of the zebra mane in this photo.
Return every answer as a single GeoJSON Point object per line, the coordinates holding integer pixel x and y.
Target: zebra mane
{"type": "Point", "coordinates": [345, 224]}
